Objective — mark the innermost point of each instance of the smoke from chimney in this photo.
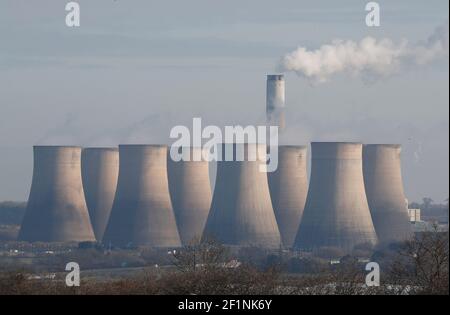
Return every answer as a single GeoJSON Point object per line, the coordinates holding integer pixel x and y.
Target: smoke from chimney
{"type": "Point", "coordinates": [369, 57]}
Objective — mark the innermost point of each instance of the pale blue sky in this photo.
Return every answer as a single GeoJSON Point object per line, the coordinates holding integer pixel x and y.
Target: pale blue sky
{"type": "Point", "coordinates": [135, 68]}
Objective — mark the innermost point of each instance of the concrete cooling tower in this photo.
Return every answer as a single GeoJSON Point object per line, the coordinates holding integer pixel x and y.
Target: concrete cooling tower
{"type": "Point", "coordinates": [336, 211]}
{"type": "Point", "coordinates": [99, 170]}
{"type": "Point", "coordinates": [241, 210]}
{"type": "Point", "coordinates": [275, 99]}
{"type": "Point", "coordinates": [384, 189]}
{"type": "Point", "coordinates": [142, 212]}
{"type": "Point", "coordinates": [190, 190]}
{"type": "Point", "coordinates": [56, 210]}
{"type": "Point", "coordinates": [288, 189]}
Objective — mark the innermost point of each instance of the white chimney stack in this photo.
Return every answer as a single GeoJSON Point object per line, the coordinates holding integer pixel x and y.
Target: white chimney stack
{"type": "Point", "coordinates": [275, 99]}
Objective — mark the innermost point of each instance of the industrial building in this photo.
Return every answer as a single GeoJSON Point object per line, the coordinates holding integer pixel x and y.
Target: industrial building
{"type": "Point", "coordinates": [414, 215]}
{"type": "Point", "coordinates": [241, 210]}
{"type": "Point", "coordinates": [99, 170]}
{"type": "Point", "coordinates": [384, 189]}
{"type": "Point", "coordinates": [336, 212]}
{"type": "Point", "coordinates": [142, 212]}
{"type": "Point", "coordinates": [56, 210]}
{"type": "Point", "coordinates": [190, 191]}
{"type": "Point", "coordinates": [288, 189]}
{"type": "Point", "coordinates": [137, 195]}
{"type": "Point", "coordinates": [275, 100]}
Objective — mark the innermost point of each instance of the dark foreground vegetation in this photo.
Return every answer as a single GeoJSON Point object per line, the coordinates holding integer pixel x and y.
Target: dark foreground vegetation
{"type": "Point", "coordinates": [11, 214]}
{"type": "Point", "coordinates": [419, 266]}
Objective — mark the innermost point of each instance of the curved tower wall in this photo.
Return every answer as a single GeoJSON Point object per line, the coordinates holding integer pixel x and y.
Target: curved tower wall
{"type": "Point", "coordinates": [241, 211]}
{"type": "Point", "coordinates": [384, 189]}
{"type": "Point", "coordinates": [56, 210]}
{"type": "Point", "coordinates": [99, 170]}
{"type": "Point", "coordinates": [288, 189]}
{"type": "Point", "coordinates": [336, 212]}
{"type": "Point", "coordinates": [190, 191]}
{"type": "Point", "coordinates": [142, 211]}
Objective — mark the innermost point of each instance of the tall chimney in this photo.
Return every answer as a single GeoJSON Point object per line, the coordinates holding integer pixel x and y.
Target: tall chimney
{"type": "Point", "coordinates": [142, 212]}
{"type": "Point", "coordinates": [190, 191]}
{"type": "Point", "coordinates": [336, 211]}
{"type": "Point", "coordinates": [288, 189]}
{"type": "Point", "coordinates": [384, 188]}
{"type": "Point", "coordinates": [99, 170]}
{"type": "Point", "coordinates": [56, 210]}
{"type": "Point", "coordinates": [241, 210]}
{"type": "Point", "coordinates": [275, 99]}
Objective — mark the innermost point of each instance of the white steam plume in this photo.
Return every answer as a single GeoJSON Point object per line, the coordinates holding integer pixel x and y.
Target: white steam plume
{"type": "Point", "coordinates": [368, 57]}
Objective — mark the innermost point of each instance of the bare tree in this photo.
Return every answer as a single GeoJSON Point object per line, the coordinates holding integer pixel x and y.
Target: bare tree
{"type": "Point", "coordinates": [427, 202]}
{"type": "Point", "coordinates": [199, 255]}
{"type": "Point", "coordinates": [422, 264]}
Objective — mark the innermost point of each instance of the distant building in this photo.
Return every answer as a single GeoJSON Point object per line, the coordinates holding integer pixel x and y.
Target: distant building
{"type": "Point", "coordinates": [414, 215]}
{"type": "Point", "coordinates": [335, 261]}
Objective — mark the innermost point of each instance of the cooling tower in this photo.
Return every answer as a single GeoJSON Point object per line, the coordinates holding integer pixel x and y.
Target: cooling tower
{"type": "Point", "coordinates": [99, 170]}
{"type": "Point", "coordinates": [336, 212]}
{"type": "Point", "coordinates": [190, 191]}
{"type": "Point", "coordinates": [275, 98]}
{"type": "Point", "coordinates": [142, 212]}
{"type": "Point", "coordinates": [241, 210]}
{"type": "Point", "coordinates": [384, 189]}
{"type": "Point", "coordinates": [56, 210]}
{"type": "Point", "coordinates": [288, 189]}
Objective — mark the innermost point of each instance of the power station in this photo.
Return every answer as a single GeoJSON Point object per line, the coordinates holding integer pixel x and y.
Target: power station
{"type": "Point", "coordinates": [190, 190]}
{"type": "Point", "coordinates": [56, 210]}
{"type": "Point", "coordinates": [142, 212]}
{"type": "Point", "coordinates": [336, 212]}
{"type": "Point", "coordinates": [384, 189]}
{"type": "Point", "coordinates": [99, 170]}
{"type": "Point", "coordinates": [288, 189]}
{"type": "Point", "coordinates": [137, 195]}
{"type": "Point", "coordinates": [241, 211]}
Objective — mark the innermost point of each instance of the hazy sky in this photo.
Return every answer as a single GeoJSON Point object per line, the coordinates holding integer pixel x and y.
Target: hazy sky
{"type": "Point", "coordinates": [136, 68]}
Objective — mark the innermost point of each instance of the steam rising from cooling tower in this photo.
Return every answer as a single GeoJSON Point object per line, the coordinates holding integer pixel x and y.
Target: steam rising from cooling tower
{"type": "Point", "coordinates": [142, 212]}
{"type": "Point", "coordinates": [275, 99]}
{"type": "Point", "coordinates": [56, 210]}
{"type": "Point", "coordinates": [384, 188]}
{"type": "Point", "coordinates": [336, 211]}
{"type": "Point", "coordinates": [100, 169]}
{"type": "Point", "coordinates": [190, 191]}
{"type": "Point", "coordinates": [241, 210]}
{"type": "Point", "coordinates": [288, 189]}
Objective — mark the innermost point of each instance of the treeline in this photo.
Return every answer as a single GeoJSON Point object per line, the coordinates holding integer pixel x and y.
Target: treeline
{"type": "Point", "coordinates": [11, 213]}
{"type": "Point", "coordinates": [431, 211]}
